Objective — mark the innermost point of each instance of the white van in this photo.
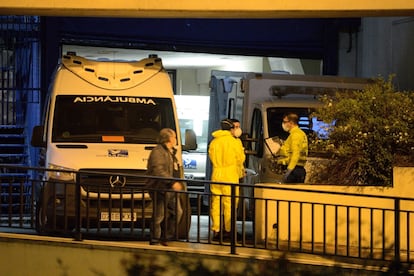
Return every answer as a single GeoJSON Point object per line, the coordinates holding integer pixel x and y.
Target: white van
{"type": "Point", "coordinates": [102, 117]}
{"type": "Point", "coordinates": [259, 101]}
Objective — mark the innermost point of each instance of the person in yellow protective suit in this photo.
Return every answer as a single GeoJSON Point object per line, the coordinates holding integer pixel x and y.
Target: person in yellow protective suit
{"type": "Point", "coordinates": [227, 156]}
{"type": "Point", "coordinates": [242, 191]}
{"type": "Point", "coordinates": [237, 132]}
{"type": "Point", "coordinates": [294, 150]}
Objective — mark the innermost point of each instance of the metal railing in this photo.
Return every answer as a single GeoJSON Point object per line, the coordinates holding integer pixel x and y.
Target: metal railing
{"type": "Point", "coordinates": [337, 224]}
{"type": "Point", "coordinates": [371, 227]}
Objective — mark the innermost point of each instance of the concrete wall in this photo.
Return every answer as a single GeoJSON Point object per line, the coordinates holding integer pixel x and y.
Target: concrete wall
{"type": "Point", "coordinates": [44, 256]}
{"type": "Point", "coordinates": [212, 9]}
{"type": "Point", "coordinates": [385, 46]}
{"type": "Point", "coordinates": [35, 255]}
{"type": "Point", "coordinates": [382, 225]}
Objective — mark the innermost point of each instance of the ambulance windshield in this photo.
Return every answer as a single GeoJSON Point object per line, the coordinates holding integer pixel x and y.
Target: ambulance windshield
{"type": "Point", "coordinates": [97, 119]}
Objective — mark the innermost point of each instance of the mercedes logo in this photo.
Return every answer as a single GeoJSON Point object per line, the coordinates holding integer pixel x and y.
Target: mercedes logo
{"type": "Point", "coordinates": [117, 181]}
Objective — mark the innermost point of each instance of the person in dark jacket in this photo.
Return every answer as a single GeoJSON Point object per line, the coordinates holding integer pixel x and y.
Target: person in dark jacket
{"type": "Point", "coordinates": [162, 162]}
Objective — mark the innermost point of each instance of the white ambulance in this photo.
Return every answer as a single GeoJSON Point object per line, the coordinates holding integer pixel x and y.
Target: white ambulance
{"type": "Point", "coordinates": [102, 120]}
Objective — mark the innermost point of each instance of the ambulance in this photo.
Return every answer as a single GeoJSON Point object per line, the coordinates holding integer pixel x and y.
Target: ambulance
{"type": "Point", "coordinates": [101, 121]}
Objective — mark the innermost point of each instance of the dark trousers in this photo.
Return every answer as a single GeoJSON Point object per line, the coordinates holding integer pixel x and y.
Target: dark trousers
{"type": "Point", "coordinates": [166, 212]}
{"type": "Point", "coordinates": [298, 175]}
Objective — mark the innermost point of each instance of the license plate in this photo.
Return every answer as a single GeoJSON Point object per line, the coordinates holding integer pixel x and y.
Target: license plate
{"type": "Point", "coordinates": [115, 216]}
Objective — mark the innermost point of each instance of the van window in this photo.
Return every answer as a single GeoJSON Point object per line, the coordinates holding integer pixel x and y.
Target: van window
{"type": "Point", "coordinates": [89, 118]}
{"type": "Point", "coordinates": [257, 132]}
{"type": "Point", "coordinates": [311, 126]}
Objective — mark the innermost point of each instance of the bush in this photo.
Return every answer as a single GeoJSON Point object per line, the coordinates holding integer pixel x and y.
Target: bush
{"type": "Point", "coordinates": [373, 132]}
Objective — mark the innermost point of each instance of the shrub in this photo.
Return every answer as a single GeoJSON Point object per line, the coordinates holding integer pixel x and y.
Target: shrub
{"type": "Point", "coordinates": [373, 132]}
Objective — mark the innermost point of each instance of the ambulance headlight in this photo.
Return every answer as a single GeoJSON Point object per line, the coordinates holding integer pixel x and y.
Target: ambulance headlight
{"type": "Point", "coordinates": [60, 173]}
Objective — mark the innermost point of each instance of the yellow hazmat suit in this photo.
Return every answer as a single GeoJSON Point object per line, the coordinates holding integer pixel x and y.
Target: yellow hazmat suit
{"type": "Point", "coordinates": [227, 157]}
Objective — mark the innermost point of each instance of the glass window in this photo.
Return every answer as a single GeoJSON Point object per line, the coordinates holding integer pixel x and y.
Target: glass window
{"type": "Point", "coordinates": [90, 118]}
{"type": "Point", "coordinates": [193, 113]}
{"type": "Point", "coordinates": [257, 132]}
{"type": "Point", "coordinates": [309, 125]}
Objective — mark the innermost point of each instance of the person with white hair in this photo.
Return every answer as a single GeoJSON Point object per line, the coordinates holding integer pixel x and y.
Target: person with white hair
{"type": "Point", "coordinates": [167, 210]}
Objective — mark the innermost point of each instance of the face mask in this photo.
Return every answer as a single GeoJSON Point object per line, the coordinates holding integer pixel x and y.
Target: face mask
{"type": "Point", "coordinates": [285, 128]}
{"type": "Point", "coordinates": [237, 132]}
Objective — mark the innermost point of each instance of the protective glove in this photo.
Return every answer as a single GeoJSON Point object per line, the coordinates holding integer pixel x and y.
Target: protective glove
{"type": "Point", "coordinates": [286, 175]}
